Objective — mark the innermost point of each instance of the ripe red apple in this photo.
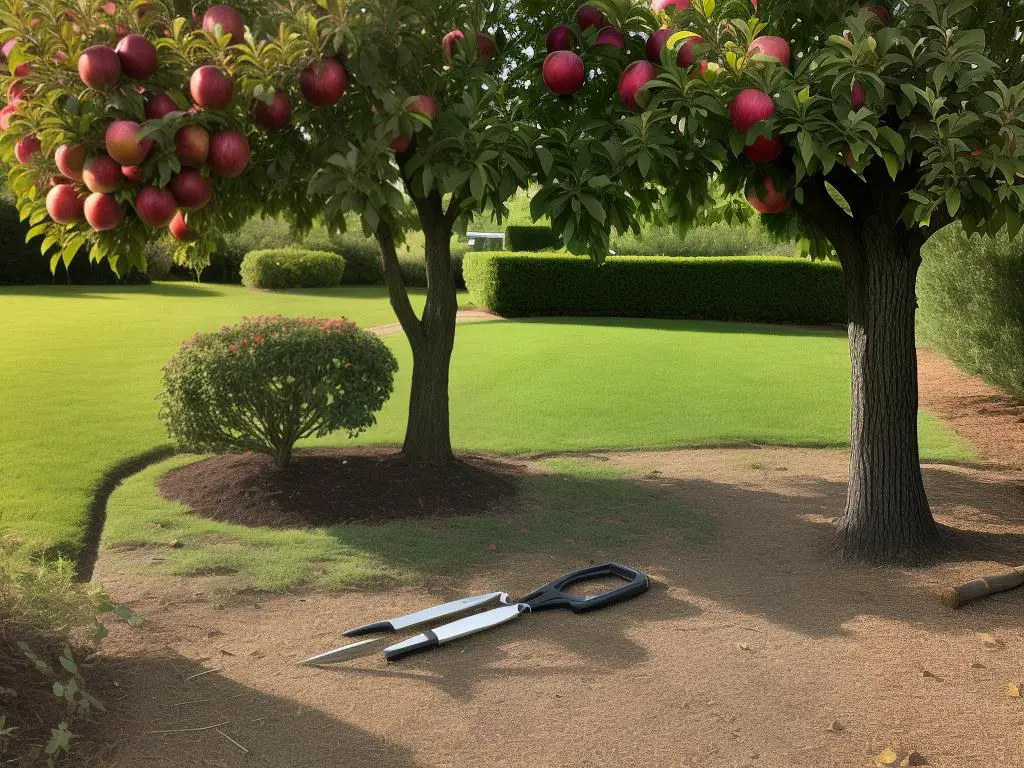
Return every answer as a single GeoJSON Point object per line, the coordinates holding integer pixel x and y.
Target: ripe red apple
{"type": "Point", "coordinates": [764, 150]}
{"type": "Point", "coordinates": [22, 70]}
{"type": "Point", "coordinates": [70, 159]}
{"type": "Point", "coordinates": [158, 105]}
{"type": "Point", "coordinates": [632, 80]}
{"type": "Point", "coordinates": [400, 145]}
{"type": "Point", "coordinates": [770, 45]}
{"type": "Point", "coordinates": [448, 45]}
{"type": "Point", "coordinates": [156, 206]}
{"type": "Point", "coordinates": [656, 44]}
{"type": "Point", "coordinates": [190, 189]}
{"type": "Point", "coordinates": [179, 228]}
{"type": "Point", "coordinates": [773, 200]}
{"type": "Point", "coordinates": [563, 72]}
{"type": "Point", "coordinates": [211, 88]}
{"type": "Point", "coordinates": [132, 172]}
{"type": "Point", "coordinates": [750, 106]}
{"type": "Point", "coordinates": [137, 55]}
{"type": "Point", "coordinates": [192, 145]}
{"type": "Point", "coordinates": [16, 92]}
{"type": "Point", "coordinates": [559, 38]}
{"type": "Point", "coordinates": [423, 105]}
{"type": "Point", "coordinates": [275, 115]}
{"type": "Point", "coordinates": [28, 146]}
{"type": "Point", "coordinates": [102, 174]}
{"type": "Point", "coordinates": [123, 142]}
{"type": "Point", "coordinates": [688, 52]}
{"type": "Point", "coordinates": [102, 211]}
{"type": "Point", "coordinates": [99, 67]}
{"type": "Point", "coordinates": [588, 16]}
{"type": "Point", "coordinates": [611, 36]}
{"type": "Point", "coordinates": [858, 96]}
{"type": "Point", "coordinates": [661, 5]}
{"type": "Point", "coordinates": [882, 13]}
{"type": "Point", "coordinates": [485, 49]}
{"type": "Point", "coordinates": [229, 153]}
{"type": "Point", "coordinates": [109, 8]}
{"type": "Point", "coordinates": [6, 114]}
{"type": "Point", "coordinates": [323, 82]}
{"type": "Point", "coordinates": [64, 204]}
{"type": "Point", "coordinates": [229, 20]}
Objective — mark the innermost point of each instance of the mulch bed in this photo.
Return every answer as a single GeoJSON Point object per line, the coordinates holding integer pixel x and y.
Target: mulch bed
{"type": "Point", "coordinates": [328, 487]}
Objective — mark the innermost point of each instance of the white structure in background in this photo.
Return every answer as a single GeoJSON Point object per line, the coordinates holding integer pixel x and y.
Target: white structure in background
{"type": "Point", "coordinates": [486, 241]}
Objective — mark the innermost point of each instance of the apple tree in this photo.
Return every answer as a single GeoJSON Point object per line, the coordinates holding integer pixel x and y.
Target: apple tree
{"type": "Point", "coordinates": [863, 129]}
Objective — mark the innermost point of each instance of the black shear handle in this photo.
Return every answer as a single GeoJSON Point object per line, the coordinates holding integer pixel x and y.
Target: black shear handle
{"type": "Point", "coordinates": [553, 595]}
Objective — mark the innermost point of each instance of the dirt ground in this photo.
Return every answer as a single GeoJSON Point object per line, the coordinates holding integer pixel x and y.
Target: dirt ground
{"type": "Point", "coordinates": [756, 650]}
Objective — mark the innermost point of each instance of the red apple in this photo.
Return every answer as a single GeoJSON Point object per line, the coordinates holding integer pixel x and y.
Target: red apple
{"type": "Point", "coordinates": [16, 92]}
{"type": "Point", "coordinates": [485, 49]}
{"type": "Point", "coordinates": [559, 38]}
{"type": "Point", "coordinates": [190, 189]}
{"type": "Point", "coordinates": [137, 55]}
{"type": "Point", "coordinates": [109, 8]}
{"type": "Point", "coordinates": [28, 146]}
{"type": "Point", "coordinates": [611, 36]}
{"type": "Point", "coordinates": [764, 150]}
{"type": "Point", "coordinates": [99, 67]}
{"type": "Point", "coordinates": [632, 80]}
{"type": "Point", "coordinates": [211, 88]}
{"type": "Point", "coordinates": [179, 228]}
{"type": "Point", "coordinates": [400, 145]}
{"type": "Point", "coordinates": [64, 204]}
{"type": "Point", "coordinates": [229, 20]}
{"type": "Point", "coordinates": [7, 48]}
{"type": "Point", "coordinates": [6, 114]}
{"type": "Point", "coordinates": [275, 115]}
{"type": "Point", "coordinates": [858, 96]}
{"type": "Point", "coordinates": [102, 211]}
{"type": "Point", "coordinates": [22, 70]}
{"type": "Point", "coordinates": [229, 153]}
{"type": "Point", "coordinates": [133, 173]}
{"type": "Point", "coordinates": [323, 82]}
{"type": "Point", "coordinates": [158, 105]}
{"type": "Point", "coordinates": [663, 5]}
{"type": "Point", "coordinates": [156, 206]}
{"type": "Point", "coordinates": [102, 174]}
{"type": "Point", "coordinates": [123, 142]}
{"type": "Point", "coordinates": [882, 13]}
{"type": "Point", "coordinates": [688, 52]}
{"type": "Point", "coordinates": [192, 145]}
{"type": "Point", "coordinates": [750, 106]}
{"type": "Point", "coordinates": [769, 45]}
{"type": "Point", "coordinates": [70, 159]}
{"type": "Point", "coordinates": [773, 200]}
{"type": "Point", "coordinates": [448, 45]}
{"type": "Point", "coordinates": [60, 57]}
{"type": "Point", "coordinates": [656, 44]}
{"type": "Point", "coordinates": [588, 16]}
{"type": "Point", "coordinates": [423, 105]}
{"type": "Point", "coordinates": [563, 72]}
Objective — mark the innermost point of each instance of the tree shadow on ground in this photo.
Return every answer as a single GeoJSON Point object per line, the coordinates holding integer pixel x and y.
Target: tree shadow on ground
{"type": "Point", "coordinates": [255, 728]}
{"type": "Point", "coordinates": [692, 325]}
{"type": "Point", "coordinates": [179, 289]}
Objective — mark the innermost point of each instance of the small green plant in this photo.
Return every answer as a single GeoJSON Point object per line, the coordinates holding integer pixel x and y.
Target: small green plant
{"type": "Point", "coordinates": [281, 268]}
{"type": "Point", "coordinates": [267, 382]}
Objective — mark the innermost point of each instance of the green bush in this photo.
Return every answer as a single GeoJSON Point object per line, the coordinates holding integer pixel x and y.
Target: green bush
{"type": "Point", "coordinates": [281, 268]}
{"type": "Point", "coordinates": [751, 289]}
{"type": "Point", "coordinates": [531, 238]}
{"type": "Point", "coordinates": [267, 382]}
{"type": "Point", "coordinates": [971, 293]}
{"type": "Point", "coordinates": [718, 239]}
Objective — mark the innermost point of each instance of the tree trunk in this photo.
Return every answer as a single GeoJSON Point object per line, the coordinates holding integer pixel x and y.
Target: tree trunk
{"type": "Point", "coordinates": [427, 436]}
{"type": "Point", "coordinates": [887, 518]}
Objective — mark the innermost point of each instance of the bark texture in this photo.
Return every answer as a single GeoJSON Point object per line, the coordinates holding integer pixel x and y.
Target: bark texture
{"type": "Point", "coordinates": [887, 518]}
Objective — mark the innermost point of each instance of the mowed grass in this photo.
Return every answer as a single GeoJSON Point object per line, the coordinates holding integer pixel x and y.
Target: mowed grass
{"type": "Point", "coordinates": [579, 508]}
{"type": "Point", "coordinates": [81, 370]}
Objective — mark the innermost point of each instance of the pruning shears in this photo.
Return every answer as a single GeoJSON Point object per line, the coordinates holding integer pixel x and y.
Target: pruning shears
{"type": "Point", "coordinates": [544, 598]}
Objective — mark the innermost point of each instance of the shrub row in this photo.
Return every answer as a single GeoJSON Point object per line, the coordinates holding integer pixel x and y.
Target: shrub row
{"type": "Point", "coordinates": [971, 294]}
{"type": "Point", "coordinates": [531, 238]}
{"type": "Point", "coordinates": [279, 268]}
{"type": "Point", "coordinates": [752, 289]}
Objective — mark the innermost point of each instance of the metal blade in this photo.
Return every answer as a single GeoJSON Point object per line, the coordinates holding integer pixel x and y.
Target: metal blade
{"type": "Point", "coordinates": [456, 629]}
{"type": "Point", "coordinates": [346, 652]}
{"type": "Point", "coordinates": [428, 615]}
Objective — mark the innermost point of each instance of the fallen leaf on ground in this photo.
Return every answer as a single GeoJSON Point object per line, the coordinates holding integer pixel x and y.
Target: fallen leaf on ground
{"type": "Point", "coordinates": [978, 665]}
{"type": "Point", "coordinates": [926, 673]}
{"type": "Point", "coordinates": [990, 641]}
{"type": "Point", "coordinates": [914, 758]}
{"type": "Point", "coordinates": [743, 646]}
{"type": "Point", "coordinates": [836, 727]}
{"type": "Point", "coordinates": [1013, 689]}
{"type": "Point", "coordinates": [886, 757]}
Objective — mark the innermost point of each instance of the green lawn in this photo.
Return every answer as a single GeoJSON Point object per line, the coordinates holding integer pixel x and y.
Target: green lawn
{"type": "Point", "coordinates": [81, 369]}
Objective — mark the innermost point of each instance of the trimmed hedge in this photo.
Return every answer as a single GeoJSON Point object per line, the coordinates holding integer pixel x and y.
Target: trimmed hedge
{"type": "Point", "coordinates": [280, 268]}
{"type": "Point", "coordinates": [531, 238]}
{"type": "Point", "coordinates": [746, 288]}
{"type": "Point", "coordinates": [971, 293]}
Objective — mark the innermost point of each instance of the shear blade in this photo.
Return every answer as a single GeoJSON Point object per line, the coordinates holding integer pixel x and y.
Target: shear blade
{"type": "Point", "coordinates": [346, 652]}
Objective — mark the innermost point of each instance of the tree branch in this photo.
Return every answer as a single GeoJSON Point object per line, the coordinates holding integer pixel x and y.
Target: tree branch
{"type": "Point", "coordinates": [396, 286]}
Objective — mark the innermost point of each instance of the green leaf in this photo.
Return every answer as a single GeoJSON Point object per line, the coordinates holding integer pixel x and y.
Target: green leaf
{"type": "Point", "coordinates": [594, 207]}
{"type": "Point", "coordinates": [546, 160]}
{"type": "Point", "coordinates": [953, 201]}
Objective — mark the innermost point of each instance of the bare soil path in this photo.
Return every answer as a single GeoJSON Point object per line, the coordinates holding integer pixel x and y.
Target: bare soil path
{"type": "Point", "coordinates": [463, 316]}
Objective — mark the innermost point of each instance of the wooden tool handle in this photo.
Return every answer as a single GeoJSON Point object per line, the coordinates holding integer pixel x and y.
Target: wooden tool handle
{"type": "Point", "coordinates": [954, 597]}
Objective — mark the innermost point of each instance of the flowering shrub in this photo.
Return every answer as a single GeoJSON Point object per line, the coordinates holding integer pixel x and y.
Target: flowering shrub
{"type": "Point", "coordinates": [267, 382]}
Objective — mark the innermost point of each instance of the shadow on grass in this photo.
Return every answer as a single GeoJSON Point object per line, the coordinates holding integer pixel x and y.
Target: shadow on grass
{"type": "Point", "coordinates": [694, 326]}
{"type": "Point", "coordinates": [182, 289]}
